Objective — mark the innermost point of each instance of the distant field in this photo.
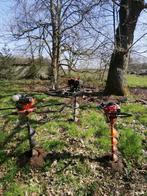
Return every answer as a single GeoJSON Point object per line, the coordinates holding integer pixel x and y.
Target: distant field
{"type": "Point", "coordinates": [91, 79]}
{"type": "Point", "coordinates": [98, 78]}
{"type": "Point", "coordinates": [136, 81]}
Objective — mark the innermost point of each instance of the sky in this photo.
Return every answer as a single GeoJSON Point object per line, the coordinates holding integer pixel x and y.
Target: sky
{"type": "Point", "coordinates": [6, 13]}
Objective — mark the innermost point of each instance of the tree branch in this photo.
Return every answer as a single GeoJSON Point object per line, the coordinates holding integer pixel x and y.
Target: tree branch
{"type": "Point", "coordinates": [114, 1]}
{"type": "Point", "coordinates": [145, 5]}
{"type": "Point", "coordinates": [137, 41]}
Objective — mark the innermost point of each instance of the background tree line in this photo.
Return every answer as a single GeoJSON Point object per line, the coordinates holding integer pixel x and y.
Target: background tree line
{"type": "Point", "coordinates": [71, 33]}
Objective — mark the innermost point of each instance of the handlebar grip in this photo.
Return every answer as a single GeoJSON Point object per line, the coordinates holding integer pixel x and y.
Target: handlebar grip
{"type": "Point", "coordinates": [124, 114]}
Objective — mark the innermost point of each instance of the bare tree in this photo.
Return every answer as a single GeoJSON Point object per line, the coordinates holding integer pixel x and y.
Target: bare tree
{"type": "Point", "coordinates": [89, 42]}
{"type": "Point", "coordinates": [129, 12]}
{"type": "Point", "coordinates": [50, 21]}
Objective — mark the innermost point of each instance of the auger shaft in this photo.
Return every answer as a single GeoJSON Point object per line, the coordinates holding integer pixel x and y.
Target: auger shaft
{"type": "Point", "coordinates": [114, 141]}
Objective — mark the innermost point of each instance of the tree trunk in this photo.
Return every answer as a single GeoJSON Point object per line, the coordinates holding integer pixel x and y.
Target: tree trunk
{"type": "Point", "coordinates": [55, 60]}
{"type": "Point", "coordinates": [55, 69]}
{"type": "Point", "coordinates": [56, 40]}
{"type": "Point", "coordinates": [128, 16]}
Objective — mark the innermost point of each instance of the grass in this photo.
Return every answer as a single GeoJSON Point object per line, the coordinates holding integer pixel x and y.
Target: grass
{"type": "Point", "coordinates": [130, 144]}
{"type": "Point", "coordinates": [143, 119]}
{"type": "Point", "coordinates": [54, 145]}
{"type": "Point", "coordinates": [134, 108]}
{"type": "Point", "coordinates": [93, 79]}
{"type": "Point", "coordinates": [136, 81]}
{"type": "Point", "coordinates": [19, 189]}
{"type": "Point", "coordinates": [73, 171]}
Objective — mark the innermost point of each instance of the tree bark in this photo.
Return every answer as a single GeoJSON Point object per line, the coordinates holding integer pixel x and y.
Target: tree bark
{"type": "Point", "coordinates": [56, 41]}
{"type": "Point", "coordinates": [55, 68]}
{"type": "Point", "coordinates": [128, 15]}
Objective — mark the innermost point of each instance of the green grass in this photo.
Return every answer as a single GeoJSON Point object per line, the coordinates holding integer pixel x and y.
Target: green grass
{"type": "Point", "coordinates": [143, 119]}
{"type": "Point", "coordinates": [136, 81]}
{"type": "Point", "coordinates": [73, 170]}
{"type": "Point", "coordinates": [19, 189]}
{"type": "Point", "coordinates": [54, 145]}
{"type": "Point", "coordinates": [12, 170]}
{"type": "Point", "coordinates": [134, 108]}
{"type": "Point", "coordinates": [93, 79]}
{"type": "Point", "coordinates": [131, 144]}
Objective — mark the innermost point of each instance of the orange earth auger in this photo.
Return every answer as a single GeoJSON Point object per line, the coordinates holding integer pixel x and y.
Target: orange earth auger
{"type": "Point", "coordinates": [112, 111]}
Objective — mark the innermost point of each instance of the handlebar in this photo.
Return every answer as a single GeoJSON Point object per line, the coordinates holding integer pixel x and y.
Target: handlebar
{"type": "Point", "coordinates": [124, 115]}
{"type": "Point", "coordinates": [112, 110]}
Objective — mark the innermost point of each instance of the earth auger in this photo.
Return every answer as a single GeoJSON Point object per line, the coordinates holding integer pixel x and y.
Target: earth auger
{"type": "Point", "coordinates": [74, 87]}
{"type": "Point", "coordinates": [25, 105]}
{"type": "Point", "coordinates": [111, 111]}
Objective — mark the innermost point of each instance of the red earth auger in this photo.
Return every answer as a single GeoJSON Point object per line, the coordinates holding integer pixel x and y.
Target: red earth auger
{"type": "Point", "coordinates": [112, 111]}
{"type": "Point", "coordinates": [74, 85]}
{"type": "Point", "coordinates": [26, 105]}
